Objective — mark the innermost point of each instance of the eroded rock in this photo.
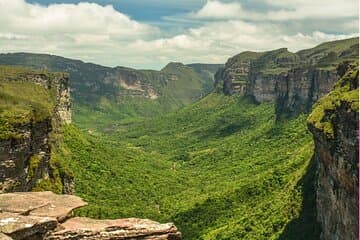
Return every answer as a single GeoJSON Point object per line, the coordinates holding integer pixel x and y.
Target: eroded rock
{"type": "Point", "coordinates": [20, 227]}
{"type": "Point", "coordinates": [129, 228]}
{"type": "Point", "coordinates": [5, 237]}
{"type": "Point", "coordinates": [43, 204]}
{"type": "Point", "coordinates": [45, 215]}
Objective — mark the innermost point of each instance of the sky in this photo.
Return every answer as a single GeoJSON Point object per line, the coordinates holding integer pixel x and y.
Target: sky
{"type": "Point", "coordinates": [151, 33]}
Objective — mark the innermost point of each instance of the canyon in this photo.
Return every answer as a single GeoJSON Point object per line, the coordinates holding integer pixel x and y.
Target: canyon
{"type": "Point", "coordinates": [220, 165]}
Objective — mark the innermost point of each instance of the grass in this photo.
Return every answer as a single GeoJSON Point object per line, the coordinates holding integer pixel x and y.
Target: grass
{"type": "Point", "coordinates": [21, 102]}
{"type": "Point", "coordinates": [33, 165]}
{"type": "Point", "coordinates": [221, 168]}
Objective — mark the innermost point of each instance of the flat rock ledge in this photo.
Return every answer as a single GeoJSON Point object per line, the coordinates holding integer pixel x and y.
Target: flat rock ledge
{"type": "Point", "coordinates": [47, 216]}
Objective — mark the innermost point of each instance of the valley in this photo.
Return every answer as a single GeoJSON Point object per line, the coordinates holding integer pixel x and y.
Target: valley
{"type": "Point", "coordinates": [222, 151]}
{"type": "Point", "coordinates": [216, 177]}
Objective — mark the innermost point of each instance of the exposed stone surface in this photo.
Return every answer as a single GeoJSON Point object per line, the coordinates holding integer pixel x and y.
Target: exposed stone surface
{"type": "Point", "coordinates": [44, 204]}
{"type": "Point", "coordinates": [130, 228]}
{"type": "Point", "coordinates": [20, 227]}
{"type": "Point", "coordinates": [33, 144]}
{"type": "Point", "coordinates": [15, 155]}
{"type": "Point", "coordinates": [300, 88]}
{"type": "Point", "coordinates": [334, 123]}
{"type": "Point", "coordinates": [233, 77]}
{"type": "Point", "coordinates": [4, 237]}
{"type": "Point", "coordinates": [45, 215]}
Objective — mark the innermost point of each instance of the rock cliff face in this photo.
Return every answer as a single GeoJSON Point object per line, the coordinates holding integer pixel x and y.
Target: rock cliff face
{"type": "Point", "coordinates": [232, 78]}
{"type": "Point", "coordinates": [334, 123]}
{"type": "Point", "coordinates": [300, 88]}
{"type": "Point", "coordinates": [295, 81]}
{"type": "Point", "coordinates": [25, 155]}
{"type": "Point", "coordinates": [47, 216]}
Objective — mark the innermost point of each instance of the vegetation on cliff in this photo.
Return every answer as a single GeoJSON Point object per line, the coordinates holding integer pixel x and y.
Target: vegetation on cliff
{"type": "Point", "coordinates": [22, 102]}
{"type": "Point", "coordinates": [28, 128]}
{"type": "Point", "coordinates": [344, 92]}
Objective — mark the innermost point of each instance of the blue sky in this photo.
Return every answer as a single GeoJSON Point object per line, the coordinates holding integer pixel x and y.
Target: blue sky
{"type": "Point", "coordinates": [150, 33]}
{"type": "Point", "coordinates": [143, 10]}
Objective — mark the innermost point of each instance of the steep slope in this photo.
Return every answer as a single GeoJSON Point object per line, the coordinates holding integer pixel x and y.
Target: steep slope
{"type": "Point", "coordinates": [295, 81]}
{"type": "Point", "coordinates": [221, 168]}
{"type": "Point", "coordinates": [33, 107]}
{"type": "Point", "coordinates": [185, 83]}
{"type": "Point", "coordinates": [334, 124]}
{"type": "Point", "coordinates": [120, 92]}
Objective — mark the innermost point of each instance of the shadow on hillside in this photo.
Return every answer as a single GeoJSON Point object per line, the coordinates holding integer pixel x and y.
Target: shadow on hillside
{"type": "Point", "coordinates": [305, 227]}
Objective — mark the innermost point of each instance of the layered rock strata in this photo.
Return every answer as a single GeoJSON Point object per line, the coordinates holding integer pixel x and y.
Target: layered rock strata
{"type": "Point", "coordinates": [47, 216]}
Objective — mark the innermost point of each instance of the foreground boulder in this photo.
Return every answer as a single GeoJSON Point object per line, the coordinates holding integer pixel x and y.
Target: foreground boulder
{"type": "Point", "coordinates": [25, 227]}
{"type": "Point", "coordinates": [47, 216]}
{"type": "Point", "coordinates": [130, 228]}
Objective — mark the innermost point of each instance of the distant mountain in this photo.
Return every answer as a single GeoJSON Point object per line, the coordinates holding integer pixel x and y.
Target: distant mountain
{"type": "Point", "coordinates": [295, 81]}
{"type": "Point", "coordinates": [124, 92]}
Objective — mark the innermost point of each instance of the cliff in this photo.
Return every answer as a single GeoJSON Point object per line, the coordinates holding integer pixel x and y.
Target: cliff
{"type": "Point", "coordinates": [295, 81]}
{"type": "Point", "coordinates": [233, 77]}
{"type": "Point", "coordinates": [334, 122]}
{"type": "Point", "coordinates": [33, 107]}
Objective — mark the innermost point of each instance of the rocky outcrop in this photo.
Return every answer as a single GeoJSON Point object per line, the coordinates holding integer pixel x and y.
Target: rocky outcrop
{"type": "Point", "coordinates": [294, 81]}
{"type": "Point", "coordinates": [234, 76]}
{"type": "Point", "coordinates": [47, 216]}
{"type": "Point", "coordinates": [25, 157]}
{"type": "Point", "coordinates": [334, 124]}
{"type": "Point", "coordinates": [298, 89]}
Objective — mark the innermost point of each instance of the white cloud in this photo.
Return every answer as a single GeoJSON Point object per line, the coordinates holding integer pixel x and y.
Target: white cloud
{"type": "Point", "coordinates": [216, 41]}
{"type": "Point", "coordinates": [106, 36]}
{"type": "Point", "coordinates": [216, 9]}
{"type": "Point", "coordinates": [68, 18]}
{"type": "Point", "coordinates": [286, 10]}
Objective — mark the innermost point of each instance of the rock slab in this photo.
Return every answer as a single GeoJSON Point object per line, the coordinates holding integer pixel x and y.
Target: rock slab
{"type": "Point", "coordinates": [47, 216]}
{"type": "Point", "coordinates": [42, 204]}
{"type": "Point", "coordinates": [129, 228]}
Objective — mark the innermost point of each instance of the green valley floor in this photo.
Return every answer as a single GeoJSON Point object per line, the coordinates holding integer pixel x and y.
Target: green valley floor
{"type": "Point", "coordinates": [221, 168]}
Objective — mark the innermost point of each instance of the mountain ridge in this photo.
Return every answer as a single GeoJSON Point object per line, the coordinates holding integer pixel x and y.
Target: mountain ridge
{"type": "Point", "coordinates": [122, 92]}
{"type": "Point", "coordinates": [295, 81]}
